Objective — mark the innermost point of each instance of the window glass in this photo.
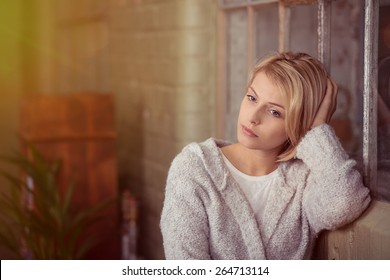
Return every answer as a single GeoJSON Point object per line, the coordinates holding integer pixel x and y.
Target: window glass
{"type": "Point", "coordinates": [266, 30]}
{"type": "Point", "coordinates": [303, 32]}
{"type": "Point", "coordinates": [383, 189]}
{"type": "Point", "coordinates": [346, 69]}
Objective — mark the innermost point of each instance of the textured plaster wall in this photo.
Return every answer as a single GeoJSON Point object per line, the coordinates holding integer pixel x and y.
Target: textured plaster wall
{"type": "Point", "coordinates": [163, 74]}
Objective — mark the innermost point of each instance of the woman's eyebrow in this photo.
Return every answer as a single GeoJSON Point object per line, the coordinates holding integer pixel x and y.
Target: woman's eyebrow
{"type": "Point", "coordinates": [253, 91]}
{"type": "Point", "coordinates": [272, 103]}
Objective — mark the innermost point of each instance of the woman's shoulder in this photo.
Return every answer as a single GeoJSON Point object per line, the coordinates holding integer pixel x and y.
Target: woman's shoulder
{"type": "Point", "coordinates": [198, 167]}
{"type": "Point", "coordinates": [207, 150]}
{"type": "Point", "coordinates": [198, 157]}
{"type": "Point", "coordinates": [191, 152]}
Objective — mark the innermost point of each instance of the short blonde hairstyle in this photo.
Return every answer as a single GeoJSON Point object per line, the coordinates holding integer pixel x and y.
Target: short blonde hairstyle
{"type": "Point", "coordinates": [302, 81]}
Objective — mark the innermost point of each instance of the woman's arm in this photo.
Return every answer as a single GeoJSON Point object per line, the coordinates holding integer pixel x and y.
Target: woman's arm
{"type": "Point", "coordinates": [184, 223]}
{"type": "Point", "coordinates": [335, 194]}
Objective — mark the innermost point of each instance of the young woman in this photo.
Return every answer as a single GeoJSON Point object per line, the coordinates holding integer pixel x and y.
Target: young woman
{"type": "Point", "coordinates": [270, 194]}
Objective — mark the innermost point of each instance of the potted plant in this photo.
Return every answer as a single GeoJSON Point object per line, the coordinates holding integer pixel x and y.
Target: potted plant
{"type": "Point", "coordinates": [40, 223]}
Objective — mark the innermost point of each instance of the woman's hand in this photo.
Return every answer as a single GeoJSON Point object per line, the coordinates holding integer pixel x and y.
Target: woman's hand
{"type": "Point", "coordinates": [327, 106]}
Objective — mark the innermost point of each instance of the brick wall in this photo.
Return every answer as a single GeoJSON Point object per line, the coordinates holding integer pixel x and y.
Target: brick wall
{"type": "Point", "coordinates": [162, 72]}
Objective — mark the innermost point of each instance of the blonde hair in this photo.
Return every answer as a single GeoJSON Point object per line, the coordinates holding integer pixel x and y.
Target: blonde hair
{"type": "Point", "coordinates": [302, 81]}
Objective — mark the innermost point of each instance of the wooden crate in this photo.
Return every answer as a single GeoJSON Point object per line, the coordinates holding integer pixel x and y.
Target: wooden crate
{"type": "Point", "coordinates": [79, 129]}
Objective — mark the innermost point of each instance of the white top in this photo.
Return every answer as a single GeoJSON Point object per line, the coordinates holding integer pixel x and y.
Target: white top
{"type": "Point", "coordinates": [255, 188]}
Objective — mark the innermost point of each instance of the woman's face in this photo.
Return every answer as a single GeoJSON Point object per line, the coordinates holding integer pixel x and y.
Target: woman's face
{"type": "Point", "coordinates": [261, 121]}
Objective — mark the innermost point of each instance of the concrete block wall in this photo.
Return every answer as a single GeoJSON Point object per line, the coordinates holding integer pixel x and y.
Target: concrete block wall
{"type": "Point", "coordinates": [162, 66]}
{"type": "Point", "coordinates": [158, 58]}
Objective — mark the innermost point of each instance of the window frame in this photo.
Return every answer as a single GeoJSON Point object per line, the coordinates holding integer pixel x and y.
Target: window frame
{"type": "Point", "coordinates": [370, 75]}
{"type": "Point", "coordinates": [370, 101]}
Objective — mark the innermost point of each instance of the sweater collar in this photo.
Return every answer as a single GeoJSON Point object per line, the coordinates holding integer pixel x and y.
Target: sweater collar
{"type": "Point", "coordinates": [234, 197]}
{"type": "Point", "coordinates": [280, 196]}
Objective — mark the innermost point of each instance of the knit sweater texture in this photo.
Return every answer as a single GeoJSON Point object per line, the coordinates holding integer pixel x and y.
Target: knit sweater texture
{"type": "Point", "coordinates": [206, 215]}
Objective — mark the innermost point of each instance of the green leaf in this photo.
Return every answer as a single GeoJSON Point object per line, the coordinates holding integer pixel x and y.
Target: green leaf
{"type": "Point", "coordinates": [85, 247]}
{"type": "Point", "coordinates": [50, 230]}
{"type": "Point", "coordinates": [68, 196]}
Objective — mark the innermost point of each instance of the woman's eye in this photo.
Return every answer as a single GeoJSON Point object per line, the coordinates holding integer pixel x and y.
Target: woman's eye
{"type": "Point", "coordinates": [251, 98]}
{"type": "Point", "coordinates": [275, 113]}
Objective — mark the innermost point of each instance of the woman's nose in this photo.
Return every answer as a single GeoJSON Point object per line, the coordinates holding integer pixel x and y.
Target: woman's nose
{"type": "Point", "coordinates": [255, 118]}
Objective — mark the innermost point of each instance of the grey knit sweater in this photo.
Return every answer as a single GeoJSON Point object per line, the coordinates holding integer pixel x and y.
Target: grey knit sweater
{"type": "Point", "coordinates": [206, 215]}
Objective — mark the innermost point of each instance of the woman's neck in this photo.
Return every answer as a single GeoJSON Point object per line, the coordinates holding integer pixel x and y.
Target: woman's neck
{"type": "Point", "coordinates": [250, 162]}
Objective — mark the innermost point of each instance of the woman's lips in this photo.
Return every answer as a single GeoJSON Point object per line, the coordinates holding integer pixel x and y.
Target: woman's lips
{"type": "Point", "coordinates": [248, 131]}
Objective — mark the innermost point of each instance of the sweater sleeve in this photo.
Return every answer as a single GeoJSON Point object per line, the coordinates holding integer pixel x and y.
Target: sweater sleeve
{"type": "Point", "coordinates": [334, 194]}
{"type": "Point", "coordinates": [183, 222]}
